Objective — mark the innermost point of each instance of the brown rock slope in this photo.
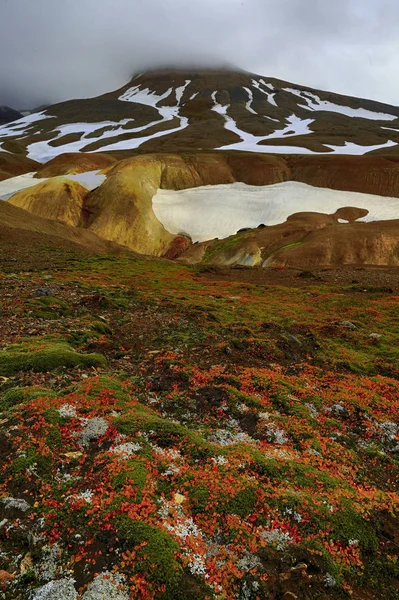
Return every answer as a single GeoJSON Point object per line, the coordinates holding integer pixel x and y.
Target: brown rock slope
{"type": "Point", "coordinates": [72, 163]}
{"type": "Point", "coordinates": [305, 240]}
{"type": "Point", "coordinates": [366, 174]}
{"type": "Point", "coordinates": [58, 199]}
{"type": "Point", "coordinates": [12, 165]}
{"type": "Point", "coordinates": [375, 243]}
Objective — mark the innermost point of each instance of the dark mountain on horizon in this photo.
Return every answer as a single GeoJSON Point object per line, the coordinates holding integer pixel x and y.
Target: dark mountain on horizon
{"type": "Point", "coordinates": [8, 115]}
{"type": "Point", "coordinates": [188, 110]}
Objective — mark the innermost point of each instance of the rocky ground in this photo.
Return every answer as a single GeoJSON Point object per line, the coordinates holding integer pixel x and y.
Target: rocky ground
{"type": "Point", "coordinates": [196, 433]}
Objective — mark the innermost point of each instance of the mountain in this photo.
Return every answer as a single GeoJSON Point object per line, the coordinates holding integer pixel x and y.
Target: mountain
{"type": "Point", "coordinates": [175, 111]}
{"type": "Point", "coordinates": [7, 115]}
{"type": "Point", "coordinates": [171, 428]}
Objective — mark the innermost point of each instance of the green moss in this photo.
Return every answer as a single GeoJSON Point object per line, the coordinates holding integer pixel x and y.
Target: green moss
{"type": "Point", "coordinates": [165, 433]}
{"type": "Point", "coordinates": [221, 246]}
{"type": "Point", "coordinates": [44, 356]}
{"type": "Point", "coordinates": [135, 474]}
{"type": "Point", "coordinates": [41, 463]}
{"type": "Point", "coordinates": [382, 573]}
{"type": "Point", "coordinates": [15, 396]}
{"type": "Point", "coordinates": [96, 386]}
{"type": "Point", "coordinates": [267, 467]}
{"type": "Point", "coordinates": [242, 504]}
{"type": "Point", "coordinates": [54, 438]}
{"type": "Point", "coordinates": [48, 307]}
{"type": "Point", "coordinates": [329, 566]}
{"type": "Point", "coordinates": [101, 327]}
{"type": "Point", "coordinates": [199, 496]}
{"type": "Point", "coordinates": [157, 560]}
{"type": "Point", "coordinates": [347, 525]}
{"type": "Point", "coordinates": [53, 416]}
{"type": "Point", "coordinates": [158, 555]}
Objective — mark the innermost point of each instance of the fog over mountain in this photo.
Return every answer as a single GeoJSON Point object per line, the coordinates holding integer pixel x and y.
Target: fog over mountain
{"type": "Point", "coordinates": [52, 51]}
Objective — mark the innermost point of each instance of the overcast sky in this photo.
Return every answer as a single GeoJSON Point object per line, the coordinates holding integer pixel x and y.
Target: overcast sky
{"type": "Point", "coordinates": [52, 50]}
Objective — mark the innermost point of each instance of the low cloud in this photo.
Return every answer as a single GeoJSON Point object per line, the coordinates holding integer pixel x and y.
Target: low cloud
{"type": "Point", "coordinates": [53, 51]}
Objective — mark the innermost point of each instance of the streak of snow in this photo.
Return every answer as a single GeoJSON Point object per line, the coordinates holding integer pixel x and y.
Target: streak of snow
{"type": "Point", "coordinates": [180, 91]}
{"type": "Point", "coordinates": [145, 96]}
{"type": "Point", "coordinates": [167, 113]}
{"type": "Point", "coordinates": [248, 105]}
{"type": "Point", "coordinates": [90, 180]}
{"type": "Point", "coordinates": [208, 212]}
{"type": "Point", "coordinates": [356, 149]}
{"type": "Point", "coordinates": [45, 151]}
{"type": "Point", "coordinates": [313, 102]}
{"type": "Point", "coordinates": [295, 127]}
{"type": "Point", "coordinates": [270, 96]}
{"type": "Point", "coordinates": [21, 126]}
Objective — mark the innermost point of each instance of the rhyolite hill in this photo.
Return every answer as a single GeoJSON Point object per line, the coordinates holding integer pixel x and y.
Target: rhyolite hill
{"type": "Point", "coordinates": [206, 110]}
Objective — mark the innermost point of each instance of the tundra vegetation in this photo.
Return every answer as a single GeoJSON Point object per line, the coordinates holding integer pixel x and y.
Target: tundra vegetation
{"type": "Point", "coordinates": [168, 433]}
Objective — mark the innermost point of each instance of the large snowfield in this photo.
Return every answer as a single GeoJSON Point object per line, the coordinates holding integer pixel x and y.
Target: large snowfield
{"type": "Point", "coordinates": [209, 212]}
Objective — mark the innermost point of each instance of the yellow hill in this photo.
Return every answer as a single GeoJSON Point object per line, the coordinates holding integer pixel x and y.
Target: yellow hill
{"type": "Point", "coordinates": [58, 199]}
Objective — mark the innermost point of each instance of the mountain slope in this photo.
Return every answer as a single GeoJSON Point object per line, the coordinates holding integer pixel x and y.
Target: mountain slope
{"type": "Point", "coordinates": [201, 110]}
{"type": "Point", "coordinates": [7, 114]}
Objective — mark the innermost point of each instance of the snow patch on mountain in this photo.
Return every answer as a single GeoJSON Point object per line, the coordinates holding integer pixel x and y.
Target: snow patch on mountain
{"type": "Point", "coordinates": [166, 113]}
{"type": "Point", "coordinates": [218, 211]}
{"type": "Point", "coordinates": [145, 96]}
{"type": "Point", "coordinates": [45, 150]}
{"type": "Point", "coordinates": [356, 149]}
{"type": "Point", "coordinates": [248, 105]}
{"type": "Point", "coordinates": [295, 127]}
{"type": "Point", "coordinates": [270, 96]}
{"type": "Point", "coordinates": [180, 91]}
{"type": "Point", "coordinates": [22, 126]}
{"type": "Point", "coordinates": [314, 103]}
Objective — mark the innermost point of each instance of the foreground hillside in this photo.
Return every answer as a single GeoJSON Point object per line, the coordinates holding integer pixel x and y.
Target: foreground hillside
{"type": "Point", "coordinates": [171, 432]}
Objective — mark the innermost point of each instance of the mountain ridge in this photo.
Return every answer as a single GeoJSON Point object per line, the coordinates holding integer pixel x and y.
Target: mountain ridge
{"type": "Point", "coordinates": [208, 110]}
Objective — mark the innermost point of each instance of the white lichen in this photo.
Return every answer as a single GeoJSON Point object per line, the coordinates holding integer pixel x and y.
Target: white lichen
{"type": "Point", "coordinates": [107, 586]}
{"type": "Point", "coordinates": [67, 411]}
{"type": "Point", "coordinates": [15, 504]}
{"type": "Point", "coordinates": [63, 589]}
{"type": "Point", "coordinates": [92, 430]}
{"type": "Point", "coordinates": [127, 449]}
{"type": "Point", "coordinates": [277, 537]}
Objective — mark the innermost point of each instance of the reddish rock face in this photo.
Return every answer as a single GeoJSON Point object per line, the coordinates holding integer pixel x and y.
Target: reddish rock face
{"type": "Point", "coordinates": [178, 246]}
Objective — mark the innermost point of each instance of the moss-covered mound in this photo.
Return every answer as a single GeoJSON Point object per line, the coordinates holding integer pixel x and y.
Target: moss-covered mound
{"type": "Point", "coordinates": [44, 355]}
